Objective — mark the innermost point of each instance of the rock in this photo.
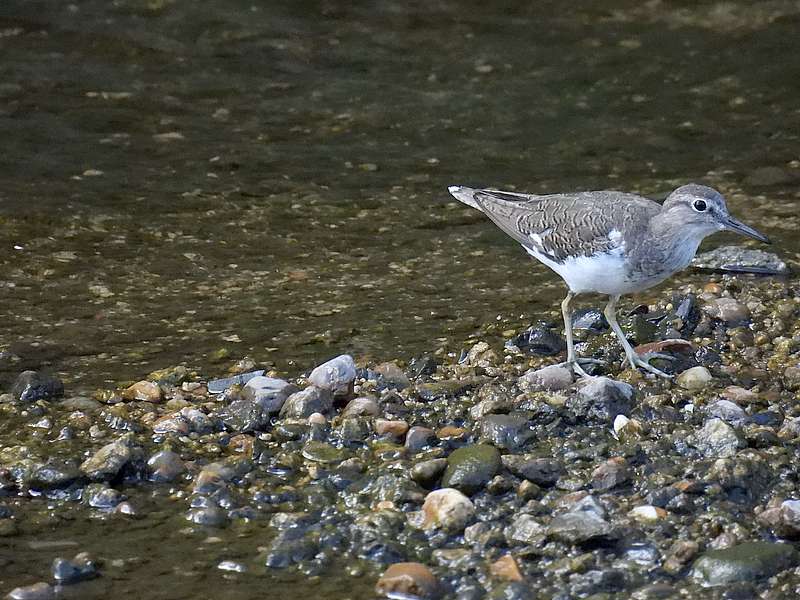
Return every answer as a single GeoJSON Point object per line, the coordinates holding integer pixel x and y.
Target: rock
{"type": "Point", "coordinates": [510, 432]}
{"type": "Point", "coordinates": [647, 513]}
{"type": "Point", "coordinates": [681, 553]}
{"type": "Point", "coordinates": [361, 407]}
{"type": "Point", "coordinates": [143, 391]}
{"type": "Point", "coordinates": [551, 378]}
{"type": "Point", "coordinates": [393, 376]}
{"type": "Point", "coordinates": [448, 388]}
{"type": "Point", "coordinates": [716, 439]}
{"type": "Point", "coordinates": [172, 424]}
{"type": "Point", "coordinates": [268, 392]}
{"type": "Point", "coordinates": [304, 403]}
{"type": "Point", "coordinates": [739, 259]}
{"type": "Point", "coordinates": [591, 320]}
{"type": "Point", "coordinates": [728, 310]}
{"type": "Point", "coordinates": [612, 473]}
{"type": "Point", "coordinates": [36, 591]}
{"type": "Point", "coordinates": [165, 466]}
{"type": "Point", "coordinates": [427, 472]}
{"type": "Point", "coordinates": [31, 386]}
{"type": "Point", "coordinates": [291, 546]}
{"type": "Point", "coordinates": [541, 471]}
{"type": "Point", "coordinates": [109, 460]}
{"type": "Point", "coordinates": [78, 569]}
{"type": "Point", "coordinates": [243, 415]}
{"type": "Point", "coordinates": [419, 437]}
{"type": "Point", "coordinates": [746, 562]}
{"type": "Point", "coordinates": [784, 520]}
{"type": "Point", "coordinates": [739, 395]}
{"type": "Point", "coordinates": [336, 375]}
{"type": "Point", "coordinates": [584, 522]}
{"type": "Point", "coordinates": [512, 590]}
{"type": "Point", "coordinates": [539, 340]}
{"type": "Point", "coordinates": [395, 429]}
{"type": "Point", "coordinates": [208, 516]}
{"type": "Point", "coordinates": [217, 386]}
{"type": "Point", "coordinates": [524, 529]}
{"type": "Point", "coordinates": [408, 580]}
{"type": "Point", "coordinates": [101, 496]}
{"type": "Point", "coordinates": [694, 379]}
{"type": "Point", "coordinates": [601, 399]}
{"type": "Point", "coordinates": [447, 509]}
{"type": "Point", "coordinates": [470, 468]}
{"type": "Point", "coordinates": [506, 567]}
{"type": "Point", "coordinates": [323, 453]}
{"type": "Point", "coordinates": [729, 412]}
{"type": "Point", "coordinates": [422, 366]}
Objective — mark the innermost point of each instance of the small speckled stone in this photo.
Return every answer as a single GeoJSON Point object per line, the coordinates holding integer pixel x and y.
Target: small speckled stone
{"type": "Point", "coordinates": [695, 378]}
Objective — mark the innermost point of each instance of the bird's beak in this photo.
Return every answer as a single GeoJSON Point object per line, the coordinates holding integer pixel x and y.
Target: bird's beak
{"type": "Point", "coordinates": [732, 224]}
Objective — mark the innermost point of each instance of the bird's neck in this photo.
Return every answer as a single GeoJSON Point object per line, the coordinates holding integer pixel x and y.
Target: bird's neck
{"type": "Point", "coordinates": [676, 241]}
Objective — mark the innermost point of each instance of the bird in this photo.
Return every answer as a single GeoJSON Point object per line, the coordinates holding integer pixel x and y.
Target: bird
{"type": "Point", "coordinates": [608, 242]}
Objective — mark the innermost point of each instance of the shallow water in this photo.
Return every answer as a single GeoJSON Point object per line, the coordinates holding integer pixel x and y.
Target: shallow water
{"type": "Point", "coordinates": [198, 182]}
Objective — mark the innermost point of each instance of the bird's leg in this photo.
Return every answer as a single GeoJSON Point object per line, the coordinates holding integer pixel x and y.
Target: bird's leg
{"type": "Point", "coordinates": [572, 360]}
{"type": "Point", "coordinates": [634, 359]}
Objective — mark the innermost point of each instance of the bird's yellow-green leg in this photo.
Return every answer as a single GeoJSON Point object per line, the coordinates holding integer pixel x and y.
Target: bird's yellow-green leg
{"type": "Point", "coordinates": [634, 359]}
{"type": "Point", "coordinates": [572, 359]}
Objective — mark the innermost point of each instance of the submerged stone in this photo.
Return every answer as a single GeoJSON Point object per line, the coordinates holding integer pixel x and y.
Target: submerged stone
{"type": "Point", "coordinates": [408, 580]}
{"type": "Point", "coordinates": [470, 468]}
{"type": "Point", "coordinates": [750, 561]}
{"type": "Point", "coordinates": [31, 386]}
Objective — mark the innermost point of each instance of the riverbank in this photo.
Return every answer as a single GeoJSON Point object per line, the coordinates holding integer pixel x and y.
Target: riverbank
{"type": "Point", "coordinates": [493, 470]}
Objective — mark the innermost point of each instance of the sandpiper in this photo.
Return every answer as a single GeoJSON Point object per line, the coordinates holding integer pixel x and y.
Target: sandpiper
{"type": "Point", "coordinates": [608, 242]}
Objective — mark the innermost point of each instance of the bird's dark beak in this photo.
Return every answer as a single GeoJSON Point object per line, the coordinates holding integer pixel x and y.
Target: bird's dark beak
{"type": "Point", "coordinates": [732, 224]}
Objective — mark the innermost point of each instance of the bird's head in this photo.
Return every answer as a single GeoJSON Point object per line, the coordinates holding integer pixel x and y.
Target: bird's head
{"type": "Point", "coordinates": [703, 210]}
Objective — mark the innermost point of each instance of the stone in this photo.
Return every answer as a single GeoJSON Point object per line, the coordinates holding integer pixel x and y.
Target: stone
{"type": "Point", "coordinates": [408, 580]}
{"type": "Point", "coordinates": [694, 379]}
{"type": "Point", "coordinates": [361, 407]}
{"type": "Point", "coordinates": [647, 513]}
{"type": "Point", "coordinates": [109, 460]}
{"type": "Point", "coordinates": [751, 561]}
{"type": "Point", "coordinates": [323, 453]}
{"type": "Point", "coordinates": [727, 310]}
{"type": "Point", "coordinates": [392, 375]}
{"type": "Point", "coordinates": [395, 429]}
{"type": "Point", "coordinates": [336, 375]}
{"type": "Point", "coordinates": [31, 386]}
{"type": "Point", "coordinates": [78, 569]}
{"type": "Point", "coordinates": [506, 568]}
{"type": "Point", "coordinates": [243, 415]}
{"type": "Point", "coordinates": [716, 439]}
{"type": "Point", "coordinates": [741, 259]}
{"type": "Point", "coordinates": [470, 468]}
{"type": "Point", "coordinates": [509, 432]}
{"type": "Point", "coordinates": [143, 391]}
{"type": "Point", "coordinates": [448, 388]}
{"type": "Point", "coordinates": [447, 509]}
{"type": "Point", "coordinates": [512, 590]}
{"type": "Point", "coordinates": [601, 399]}
{"type": "Point", "coordinates": [729, 412]}
{"type": "Point", "coordinates": [541, 471]}
{"type": "Point", "coordinates": [165, 466]}
{"type": "Point", "coordinates": [419, 437]}
{"type": "Point", "coordinates": [540, 340]}
{"type": "Point", "coordinates": [784, 520]}
{"type": "Point", "coordinates": [612, 473]}
{"type": "Point", "coordinates": [427, 472]}
{"type": "Point", "coordinates": [268, 392]}
{"type": "Point", "coordinates": [578, 527]}
{"type": "Point", "coordinates": [524, 529]}
{"type": "Point", "coordinates": [552, 378]}
{"type": "Point", "coordinates": [217, 386]}
{"type": "Point", "coordinates": [35, 591]}
{"type": "Point", "coordinates": [304, 403]}
{"type": "Point", "coordinates": [681, 553]}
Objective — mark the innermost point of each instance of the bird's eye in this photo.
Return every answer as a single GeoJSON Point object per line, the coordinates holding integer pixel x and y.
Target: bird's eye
{"type": "Point", "coordinates": [699, 205]}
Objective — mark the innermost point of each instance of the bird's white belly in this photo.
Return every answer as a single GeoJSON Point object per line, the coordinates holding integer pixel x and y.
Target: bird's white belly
{"type": "Point", "coordinates": [604, 273]}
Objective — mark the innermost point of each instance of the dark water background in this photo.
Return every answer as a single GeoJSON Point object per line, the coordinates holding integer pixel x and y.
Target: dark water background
{"type": "Point", "coordinates": [268, 179]}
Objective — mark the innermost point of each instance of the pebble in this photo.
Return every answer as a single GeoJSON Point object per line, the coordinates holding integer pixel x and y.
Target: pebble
{"type": "Point", "coordinates": [165, 466]}
{"type": "Point", "coordinates": [551, 378]}
{"type": "Point", "coordinates": [361, 407]}
{"type": "Point", "coordinates": [35, 591]}
{"type": "Point", "coordinates": [751, 561]}
{"type": "Point", "coordinates": [304, 403]}
{"type": "Point", "coordinates": [601, 399]}
{"type": "Point", "coordinates": [716, 439]}
{"type": "Point", "coordinates": [525, 529]}
{"type": "Point", "coordinates": [268, 392]}
{"type": "Point", "coordinates": [729, 412]}
{"type": "Point", "coordinates": [647, 513]}
{"type": "Point", "coordinates": [31, 386]}
{"type": "Point", "coordinates": [540, 340]}
{"type": "Point", "coordinates": [612, 473]}
{"type": "Point", "coordinates": [396, 429]}
{"type": "Point", "coordinates": [419, 437]}
{"type": "Point", "coordinates": [80, 568]}
{"type": "Point", "coordinates": [408, 580]}
{"type": "Point", "coordinates": [694, 379]}
{"type": "Point", "coordinates": [541, 471]}
{"type": "Point", "coordinates": [447, 509]}
{"type": "Point", "coordinates": [506, 567]}
{"type": "Point", "coordinates": [508, 432]}
{"type": "Point", "coordinates": [727, 310]}
{"type": "Point", "coordinates": [107, 462]}
{"type": "Point", "coordinates": [336, 375]}
{"type": "Point", "coordinates": [143, 391]}
{"type": "Point", "coordinates": [427, 472]}
{"type": "Point", "coordinates": [470, 468]}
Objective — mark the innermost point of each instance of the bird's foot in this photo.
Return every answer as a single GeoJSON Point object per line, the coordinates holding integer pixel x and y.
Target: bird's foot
{"type": "Point", "coordinates": [575, 365]}
{"type": "Point", "coordinates": [642, 362]}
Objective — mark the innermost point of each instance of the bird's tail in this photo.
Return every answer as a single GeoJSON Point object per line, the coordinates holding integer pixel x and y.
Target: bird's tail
{"type": "Point", "coordinates": [464, 194]}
